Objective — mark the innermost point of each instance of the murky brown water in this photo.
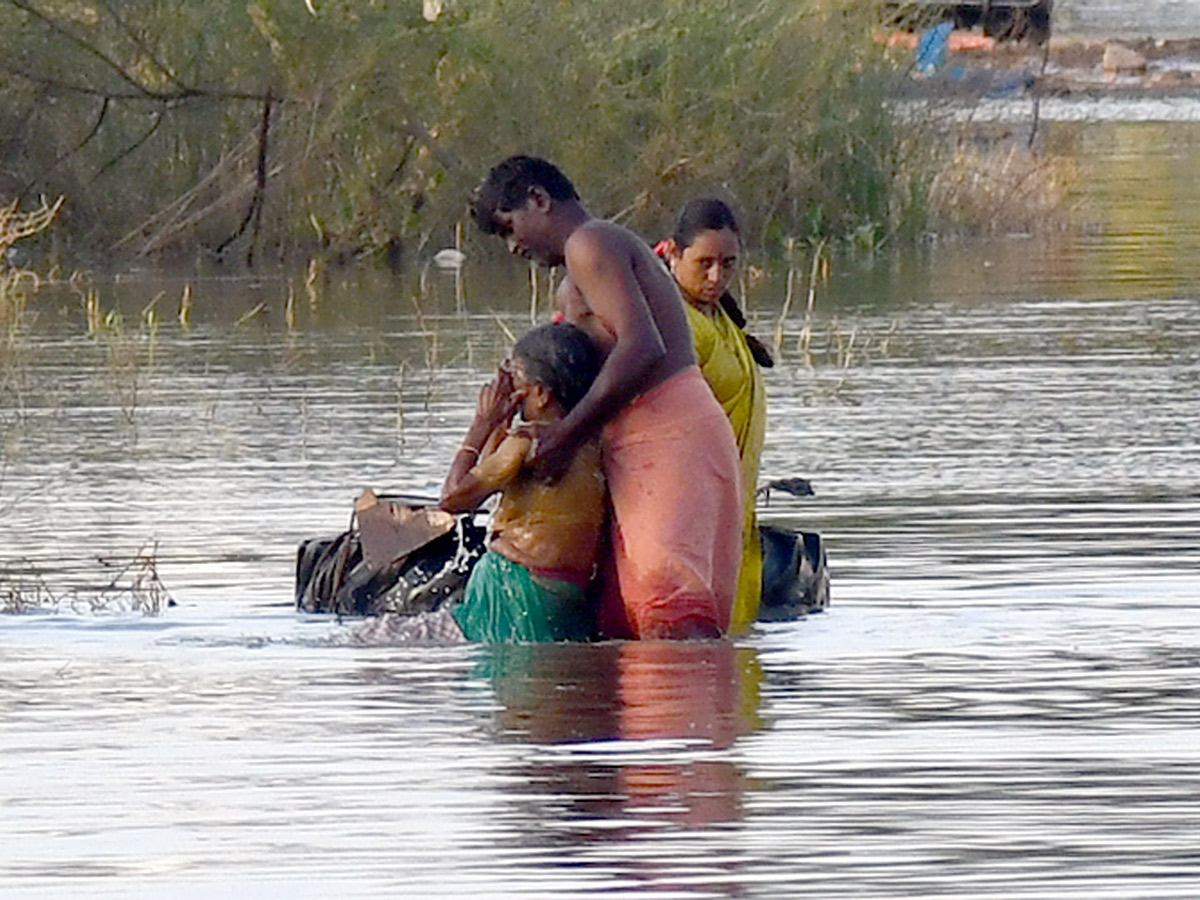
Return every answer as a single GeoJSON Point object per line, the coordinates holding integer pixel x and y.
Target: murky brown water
{"type": "Point", "coordinates": [1002, 701]}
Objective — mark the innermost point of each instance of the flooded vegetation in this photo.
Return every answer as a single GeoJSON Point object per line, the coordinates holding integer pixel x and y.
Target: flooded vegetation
{"type": "Point", "coordinates": [353, 132]}
{"type": "Point", "coordinates": [997, 700]}
{"type": "Point", "coordinates": [999, 426]}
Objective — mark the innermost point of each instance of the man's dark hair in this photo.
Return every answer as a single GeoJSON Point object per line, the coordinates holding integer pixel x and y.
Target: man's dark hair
{"type": "Point", "coordinates": [507, 187]}
{"type": "Point", "coordinates": [562, 359]}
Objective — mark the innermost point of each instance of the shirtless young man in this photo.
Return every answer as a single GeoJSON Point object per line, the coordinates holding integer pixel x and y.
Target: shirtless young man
{"type": "Point", "coordinates": [670, 458]}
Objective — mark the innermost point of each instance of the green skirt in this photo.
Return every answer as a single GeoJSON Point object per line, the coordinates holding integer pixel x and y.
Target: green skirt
{"type": "Point", "coordinates": [505, 603]}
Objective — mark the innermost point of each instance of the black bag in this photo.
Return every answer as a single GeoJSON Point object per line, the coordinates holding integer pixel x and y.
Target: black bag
{"type": "Point", "coordinates": [333, 577]}
{"type": "Point", "coordinates": [795, 577]}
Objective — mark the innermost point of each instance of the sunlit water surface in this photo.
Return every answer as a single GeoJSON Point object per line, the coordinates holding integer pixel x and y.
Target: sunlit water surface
{"type": "Point", "coordinates": [1002, 701]}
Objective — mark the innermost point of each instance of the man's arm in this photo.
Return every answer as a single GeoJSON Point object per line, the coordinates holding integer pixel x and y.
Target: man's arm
{"type": "Point", "coordinates": [600, 265]}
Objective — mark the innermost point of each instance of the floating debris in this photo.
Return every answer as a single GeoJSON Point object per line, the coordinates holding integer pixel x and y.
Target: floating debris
{"type": "Point", "coordinates": [449, 258]}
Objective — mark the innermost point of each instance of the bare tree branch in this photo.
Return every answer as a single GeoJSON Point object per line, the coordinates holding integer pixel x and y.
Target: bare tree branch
{"type": "Point", "coordinates": [175, 96]}
{"type": "Point", "coordinates": [140, 44]}
{"type": "Point", "coordinates": [254, 211]}
{"type": "Point", "coordinates": [79, 146]}
{"type": "Point", "coordinates": [58, 28]}
{"type": "Point", "coordinates": [158, 119]}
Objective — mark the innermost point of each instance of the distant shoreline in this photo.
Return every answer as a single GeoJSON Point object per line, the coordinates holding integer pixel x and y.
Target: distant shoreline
{"type": "Point", "coordinates": [1075, 63]}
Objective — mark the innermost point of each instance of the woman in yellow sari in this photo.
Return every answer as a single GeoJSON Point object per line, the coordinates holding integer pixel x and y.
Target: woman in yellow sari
{"type": "Point", "coordinates": [703, 256]}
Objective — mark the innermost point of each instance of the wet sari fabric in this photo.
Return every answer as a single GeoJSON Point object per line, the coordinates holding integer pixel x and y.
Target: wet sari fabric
{"type": "Point", "coordinates": [674, 483]}
{"type": "Point", "coordinates": [730, 370]}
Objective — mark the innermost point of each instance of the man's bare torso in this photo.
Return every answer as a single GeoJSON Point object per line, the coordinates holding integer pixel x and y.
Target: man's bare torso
{"type": "Point", "coordinates": [661, 296]}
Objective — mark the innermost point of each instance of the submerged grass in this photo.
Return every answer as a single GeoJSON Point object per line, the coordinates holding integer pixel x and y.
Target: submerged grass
{"type": "Point", "coordinates": [129, 586]}
{"type": "Point", "coordinates": [17, 285]}
{"type": "Point", "coordinates": [17, 282]}
{"type": "Point", "coordinates": [123, 347]}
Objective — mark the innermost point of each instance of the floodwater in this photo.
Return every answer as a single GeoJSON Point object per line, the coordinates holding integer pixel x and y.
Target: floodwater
{"type": "Point", "coordinates": [1001, 702]}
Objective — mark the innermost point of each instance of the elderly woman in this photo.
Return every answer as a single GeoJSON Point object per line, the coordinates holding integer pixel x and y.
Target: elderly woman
{"type": "Point", "coordinates": [703, 254]}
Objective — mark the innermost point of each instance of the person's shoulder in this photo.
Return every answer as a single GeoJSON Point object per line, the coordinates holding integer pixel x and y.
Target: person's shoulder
{"type": "Point", "coordinates": [598, 236]}
{"type": "Point", "coordinates": [510, 454]}
{"type": "Point", "coordinates": [515, 442]}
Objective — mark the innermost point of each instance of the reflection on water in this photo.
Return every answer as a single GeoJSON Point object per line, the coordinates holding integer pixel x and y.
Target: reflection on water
{"type": "Point", "coordinates": [704, 692]}
{"type": "Point", "coordinates": [682, 697]}
{"type": "Point", "coordinates": [1000, 702]}
{"type": "Point", "coordinates": [877, 750]}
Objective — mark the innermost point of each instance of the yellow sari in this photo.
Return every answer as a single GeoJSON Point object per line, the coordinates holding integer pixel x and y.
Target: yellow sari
{"type": "Point", "coordinates": [735, 379]}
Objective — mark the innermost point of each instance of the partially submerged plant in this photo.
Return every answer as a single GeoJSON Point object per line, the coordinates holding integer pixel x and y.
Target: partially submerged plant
{"type": "Point", "coordinates": [121, 345]}
{"type": "Point", "coordinates": [835, 346]}
{"type": "Point", "coordinates": [26, 592]}
{"type": "Point", "coordinates": [17, 281]}
{"type": "Point", "coordinates": [1002, 189]}
{"type": "Point", "coordinates": [124, 362]}
{"type": "Point", "coordinates": [17, 284]}
{"type": "Point", "coordinates": [133, 586]}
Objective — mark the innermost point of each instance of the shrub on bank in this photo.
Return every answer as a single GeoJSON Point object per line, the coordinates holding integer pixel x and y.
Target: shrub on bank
{"type": "Point", "coordinates": [282, 128]}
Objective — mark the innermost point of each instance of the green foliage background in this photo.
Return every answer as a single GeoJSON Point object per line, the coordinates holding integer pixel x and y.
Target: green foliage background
{"type": "Point", "coordinates": [146, 115]}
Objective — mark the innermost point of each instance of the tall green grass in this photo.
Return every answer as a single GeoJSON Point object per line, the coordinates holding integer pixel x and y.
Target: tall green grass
{"type": "Point", "coordinates": [149, 116]}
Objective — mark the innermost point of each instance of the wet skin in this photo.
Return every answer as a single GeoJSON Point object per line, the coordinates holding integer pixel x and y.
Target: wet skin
{"type": "Point", "coordinates": [549, 527]}
{"type": "Point", "coordinates": [617, 291]}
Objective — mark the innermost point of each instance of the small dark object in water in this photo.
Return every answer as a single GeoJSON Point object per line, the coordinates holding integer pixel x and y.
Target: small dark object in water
{"type": "Point", "coordinates": [797, 487]}
{"type": "Point", "coordinates": [795, 576]}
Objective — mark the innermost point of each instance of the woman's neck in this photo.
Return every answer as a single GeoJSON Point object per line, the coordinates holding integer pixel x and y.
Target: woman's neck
{"type": "Point", "coordinates": [705, 306]}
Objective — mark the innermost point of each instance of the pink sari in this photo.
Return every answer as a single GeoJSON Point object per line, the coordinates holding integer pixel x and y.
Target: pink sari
{"type": "Point", "coordinates": [674, 479]}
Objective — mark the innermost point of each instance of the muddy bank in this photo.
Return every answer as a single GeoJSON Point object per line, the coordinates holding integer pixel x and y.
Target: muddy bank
{"type": "Point", "coordinates": [1065, 66]}
{"type": "Point", "coordinates": [1093, 66]}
